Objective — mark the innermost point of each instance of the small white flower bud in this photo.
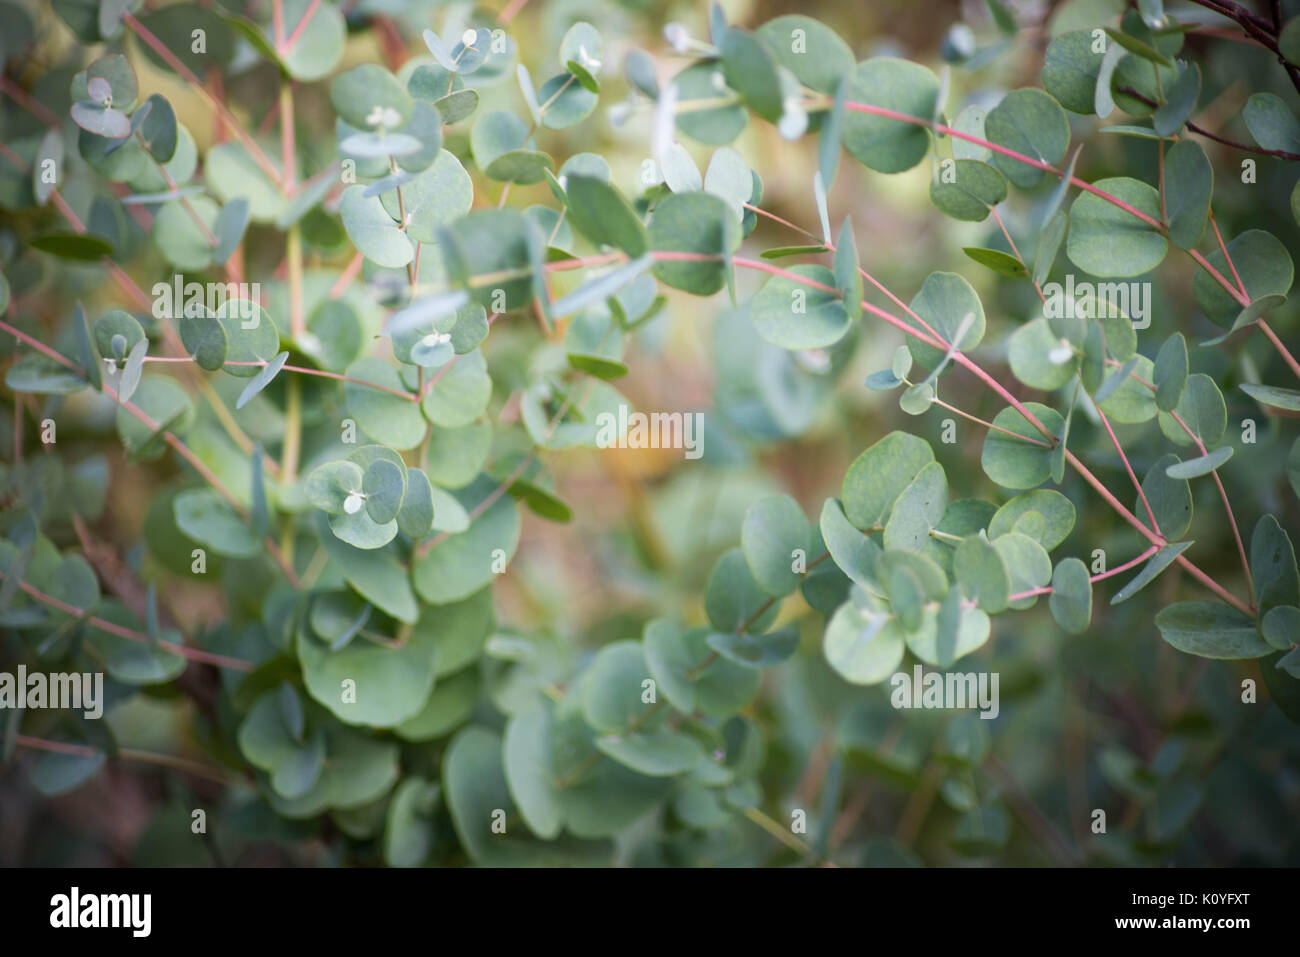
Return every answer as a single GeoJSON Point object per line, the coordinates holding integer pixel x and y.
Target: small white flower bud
{"type": "Point", "coordinates": [678, 37]}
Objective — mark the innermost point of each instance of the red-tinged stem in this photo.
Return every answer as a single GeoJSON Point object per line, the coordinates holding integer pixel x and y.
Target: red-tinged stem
{"type": "Point", "coordinates": [277, 22]}
{"type": "Point", "coordinates": [968, 363]}
{"type": "Point", "coordinates": [1223, 493]}
{"type": "Point", "coordinates": [288, 45]}
{"type": "Point", "coordinates": [1277, 344]}
{"type": "Point", "coordinates": [173, 339]}
{"type": "Point", "coordinates": [193, 213]}
{"type": "Point", "coordinates": [989, 425]}
{"type": "Point", "coordinates": [862, 272]}
{"type": "Point", "coordinates": [1117, 570]}
{"type": "Point", "coordinates": [180, 447]}
{"type": "Point", "coordinates": [346, 277]}
{"type": "Point", "coordinates": [194, 654]}
{"type": "Point", "coordinates": [123, 280]}
{"type": "Point", "coordinates": [270, 119]}
{"type": "Point", "coordinates": [255, 151]}
{"type": "Point", "coordinates": [761, 266]}
{"type": "Point", "coordinates": [40, 347]}
{"type": "Point", "coordinates": [331, 375]}
{"type": "Point", "coordinates": [1128, 467]}
{"type": "Point", "coordinates": [427, 387]}
{"type": "Point", "coordinates": [962, 359]}
{"type": "Point", "coordinates": [560, 265]}
{"type": "Point", "coordinates": [1120, 569]}
{"type": "Point", "coordinates": [759, 211]}
{"type": "Point", "coordinates": [288, 151]}
{"type": "Point", "coordinates": [222, 132]}
{"type": "Point", "coordinates": [197, 768]}
{"type": "Point", "coordinates": [1012, 243]}
{"type": "Point", "coordinates": [1227, 258]}
{"type": "Point", "coordinates": [28, 102]}
{"type": "Point", "coordinates": [1133, 520]}
{"type": "Point", "coordinates": [1047, 168]}
{"type": "Point", "coordinates": [511, 9]}
{"type": "Point", "coordinates": [1227, 506]}
{"type": "Point", "coordinates": [1264, 327]}
{"type": "Point", "coordinates": [299, 369]}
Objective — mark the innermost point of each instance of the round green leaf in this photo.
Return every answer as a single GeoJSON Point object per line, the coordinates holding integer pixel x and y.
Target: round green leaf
{"type": "Point", "coordinates": [461, 393]}
{"type": "Point", "coordinates": [1202, 409]}
{"type": "Point", "coordinates": [205, 338]}
{"type": "Point", "coordinates": [179, 238]}
{"type": "Point", "coordinates": [1107, 241]}
{"type": "Point", "coordinates": [1070, 68]}
{"type": "Point", "coordinates": [356, 93]}
{"type": "Point", "coordinates": [1071, 598]}
{"type": "Point", "coordinates": [1272, 123]}
{"type": "Point", "coordinates": [1210, 629]}
{"type": "Point", "coordinates": [810, 50]}
{"type": "Point", "coordinates": [982, 574]}
{"type": "Point", "coordinates": [878, 476]}
{"type": "Point", "coordinates": [1031, 350]}
{"type": "Point", "coordinates": [599, 212]}
{"type": "Point", "coordinates": [376, 576]}
{"type": "Point", "coordinates": [944, 301]}
{"type": "Point", "coordinates": [319, 46]}
{"type": "Point", "coordinates": [384, 484]}
{"type": "Point", "coordinates": [1032, 123]}
{"type": "Point", "coordinates": [463, 563]}
{"type": "Point", "coordinates": [1017, 463]}
{"type": "Point", "coordinates": [883, 144]}
{"type": "Point", "coordinates": [1132, 402]}
{"type": "Point", "coordinates": [773, 532]}
{"type": "Point", "coordinates": [206, 517]}
{"type": "Point", "coordinates": [1056, 510]}
{"type": "Point", "coordinates": [1170, 499]}
{"type": "Point", "coordinates": [795, 316]}
{"type": "Point", "coordinates": [613, 698]}
{"type": "Point", "coordinates": [733, 596]}
{"type": "Point", "coordinates": [435, 198]}
{"type": "Point", "coordinates": [714, 125]}
{"type": "Point", "coordinates": [1189, 185]}
{"type": "Point", "coordinates": [974, 189]}
{"type": "Point", "coordinates": [391, 682]}
{"type": "Point", "coordinates": [864, 647]}
{"type": "Point", "coordinates": [693, 223]}
{"type": "Point", "coordinates": [1265, 268]}
{"type": "Point", "coordinates": [385, 417]}
{"type": "Point", "coordinates": [372, 230]}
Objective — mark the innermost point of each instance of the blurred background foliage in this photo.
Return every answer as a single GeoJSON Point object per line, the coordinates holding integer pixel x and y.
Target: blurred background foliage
{"type": "Point", "coordinates": [1114, 719]}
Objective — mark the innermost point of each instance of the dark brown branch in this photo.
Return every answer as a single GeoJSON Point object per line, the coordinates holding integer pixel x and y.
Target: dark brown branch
{"type": "Point", "coordinates": [1281, 154]}
{"type": "Point", "coordinates": [1257, 27]}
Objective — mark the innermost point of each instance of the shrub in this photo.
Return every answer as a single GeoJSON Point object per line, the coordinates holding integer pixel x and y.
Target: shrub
{"type": "Point", "coordinates": [288, 393]}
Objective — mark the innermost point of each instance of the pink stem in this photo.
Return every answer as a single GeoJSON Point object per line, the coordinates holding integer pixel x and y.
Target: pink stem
{"type": "Point", "coordinates": [1129, 468]}
{"type": "Point", "coordinates": [1048, 168]}
{"type": "Point", "coordinates": [194, 654]}
{"type": "Point", "coordinates": [1047, 589]}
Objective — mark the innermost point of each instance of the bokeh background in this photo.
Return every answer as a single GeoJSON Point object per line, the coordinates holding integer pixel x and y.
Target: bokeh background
{"type": "Point", "coordinates": [1114, 719]}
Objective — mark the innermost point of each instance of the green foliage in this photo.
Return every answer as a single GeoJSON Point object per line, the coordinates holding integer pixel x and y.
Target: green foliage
{"type": "Point", "coordinates": [356, 471]}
